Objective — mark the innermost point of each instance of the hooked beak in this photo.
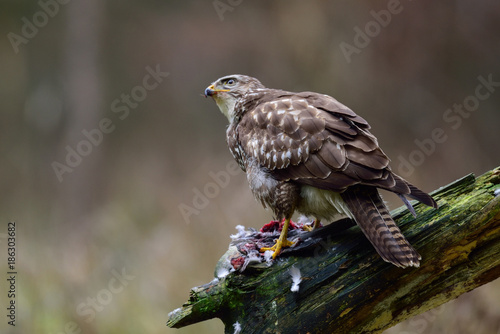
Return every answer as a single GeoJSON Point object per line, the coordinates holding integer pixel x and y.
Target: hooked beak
{"type": "Point", "coordinates": [211, 91]}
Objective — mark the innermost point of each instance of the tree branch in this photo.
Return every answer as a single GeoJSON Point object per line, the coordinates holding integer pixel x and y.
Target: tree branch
{"type": "Point", "coordinates": [345, 285]}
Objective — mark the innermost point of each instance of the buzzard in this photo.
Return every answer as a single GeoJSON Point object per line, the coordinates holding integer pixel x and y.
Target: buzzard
{"type": "Point", "coordinates": [308, 153]}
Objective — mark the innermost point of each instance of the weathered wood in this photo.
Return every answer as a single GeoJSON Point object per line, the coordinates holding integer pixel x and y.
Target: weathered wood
{"type": "Point", "coordinates": [347, 288]}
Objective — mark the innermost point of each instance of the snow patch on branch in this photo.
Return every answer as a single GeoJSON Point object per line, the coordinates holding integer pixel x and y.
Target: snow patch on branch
{"type": "Point", "coordinates": [174, 312]}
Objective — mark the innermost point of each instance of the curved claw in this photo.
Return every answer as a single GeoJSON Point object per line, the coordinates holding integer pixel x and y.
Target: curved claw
{"type": "Point", "coordinates": [277, 247]}
{"type": "Point", "coordinates": [281, 242]}
{"type": "Point", "coordinates": [310, 228]}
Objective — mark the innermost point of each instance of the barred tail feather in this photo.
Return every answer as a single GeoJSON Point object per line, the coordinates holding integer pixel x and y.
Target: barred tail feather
{"type": "Point", "coordinates": [421, 196]}
{"type": "Point", "coordinates": [374, 219]}
{"type": "Point", "coordinates": [411, 191]}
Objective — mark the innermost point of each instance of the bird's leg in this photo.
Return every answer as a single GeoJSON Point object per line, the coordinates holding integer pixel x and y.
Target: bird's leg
{"type": "Point", "coordinates": [316, 223]}
{"type": "Point", "coordinates": [281, 242]}
{"type": "Point", "coordinates": [314, 226]}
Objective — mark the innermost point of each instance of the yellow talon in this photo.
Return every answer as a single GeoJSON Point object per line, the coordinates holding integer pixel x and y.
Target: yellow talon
{"type": "Point", "coordinates": [313, 227]}
{"type": "Point", "coordinates": [281, 242]}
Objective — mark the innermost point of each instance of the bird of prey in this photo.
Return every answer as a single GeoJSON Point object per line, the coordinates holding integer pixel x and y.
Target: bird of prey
{"type": "Point", "coordinates": [308, 153]}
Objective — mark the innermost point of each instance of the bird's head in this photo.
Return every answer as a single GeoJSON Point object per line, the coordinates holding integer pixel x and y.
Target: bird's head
{"type": "Point", "coordinates": [227, 90]}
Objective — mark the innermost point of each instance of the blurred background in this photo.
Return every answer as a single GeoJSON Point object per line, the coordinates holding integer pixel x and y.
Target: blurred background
{"type": "Point", "coordinates": [109, 151]}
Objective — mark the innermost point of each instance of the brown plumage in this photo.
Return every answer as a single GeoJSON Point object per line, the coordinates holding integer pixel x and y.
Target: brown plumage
{"type": "Point", "coordinates": [308, 153]}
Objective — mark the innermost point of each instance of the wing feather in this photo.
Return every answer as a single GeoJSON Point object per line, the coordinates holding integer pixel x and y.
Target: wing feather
{"type": "Point", "coordinates": [316, 167]}
{"type": "Point", "coordinates": [375, 159]}
{"type": "Point", "coordinates": [288, 124]}
{"type": "Point", "coordinates": [333, 154]}
{"type": "Point", "coordinates": [313, 139]}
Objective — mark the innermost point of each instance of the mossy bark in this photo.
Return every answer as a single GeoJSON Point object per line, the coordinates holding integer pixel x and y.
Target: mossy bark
{"type": "Point", "coordinates": [347, 288]}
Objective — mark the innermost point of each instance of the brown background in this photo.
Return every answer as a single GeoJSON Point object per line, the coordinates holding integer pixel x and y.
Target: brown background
{"type": "Point", "coordinates": [119, 208]}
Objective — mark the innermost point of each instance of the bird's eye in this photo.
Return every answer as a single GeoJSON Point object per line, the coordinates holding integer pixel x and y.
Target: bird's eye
{"type": "Point", "coordinates": [230, 82]}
